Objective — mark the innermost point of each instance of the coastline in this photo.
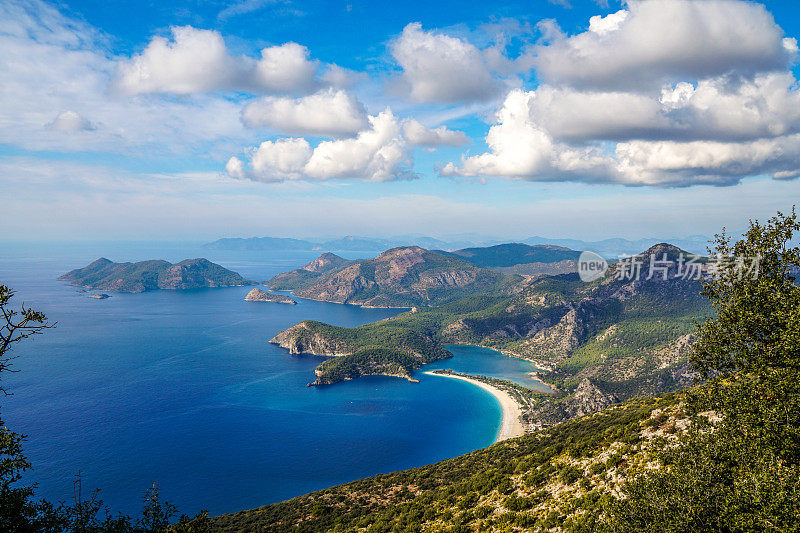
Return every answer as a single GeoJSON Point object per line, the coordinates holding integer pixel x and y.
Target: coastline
{"type": "Point", "coordinates": [511, 425]}
{"type": "Point", "coordinates": [534, 375]}
{"type": "Point", "coordinates": [276, 291]}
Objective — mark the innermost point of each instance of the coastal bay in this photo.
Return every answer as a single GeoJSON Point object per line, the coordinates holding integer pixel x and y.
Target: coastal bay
{"type": "Point", "coordinates": [194, 367]}
{"type": "Point", "coordinates": [511, 425]}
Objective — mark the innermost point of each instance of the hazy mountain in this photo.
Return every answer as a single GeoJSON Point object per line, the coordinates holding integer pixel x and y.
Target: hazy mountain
{"type": "Point", "coordinates": [261, 243]}
{"type": "Point", "coordinates": [616, 247]}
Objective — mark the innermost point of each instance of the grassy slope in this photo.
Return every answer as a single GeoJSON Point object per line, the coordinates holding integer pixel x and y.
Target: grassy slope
{"type": "Point", "coordinates": [560, 477]}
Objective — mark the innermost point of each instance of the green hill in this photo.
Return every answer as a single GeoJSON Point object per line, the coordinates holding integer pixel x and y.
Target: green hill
{"type": "Point", "coordinates": [106, 275]}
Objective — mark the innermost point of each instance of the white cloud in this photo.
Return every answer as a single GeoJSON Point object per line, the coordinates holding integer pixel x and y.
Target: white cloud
{"type": "Point", "coordinates": [610, 23]}
{"type": "Point", "coordinates": [196, 61]}
{"type": "Point", "coordinates": [336, 76]}
{"type": "Point", "coordinates": [379, 153]}
{"type": "Point", "coordinates": [274, 161]}
{"type": "Point", "coordinates": [716, 163]}
{"type": "Point", "coordinates": [328, 112]}
{"type": "Point", "coordinates": [70, 121]}
{"type": "Point", "coordinates": [705, 99]}
{"type": "Point", "coordinates": [713, 109]}
{"type": "Point", "coordinates": [520, 147]}
{"type": "Point", "coordinates": [285, 68]}
{"type": "Point", "coordinates": [243, 7]}
{"type": "Point", "coordinates": [441, 68]}
{"type": "Point", "coordinates": [193, 61]}
{"type": "Point", "coordinates": [657, 40]}
{"type": "Point", "coordinates": [418, 135]}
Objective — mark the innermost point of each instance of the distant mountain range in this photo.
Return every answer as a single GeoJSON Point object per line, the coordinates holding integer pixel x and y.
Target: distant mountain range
{"type": "Point", "coordinates": [348, 243]}
{"type": "Point", "coordinates": [609, 247]}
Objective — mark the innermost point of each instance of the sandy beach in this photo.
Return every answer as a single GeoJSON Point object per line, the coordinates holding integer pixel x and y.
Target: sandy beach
{"type": "Point", "coordinates": [511, 426]}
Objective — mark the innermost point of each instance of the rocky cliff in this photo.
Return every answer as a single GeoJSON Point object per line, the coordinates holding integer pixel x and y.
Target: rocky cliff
{"type": "Point", "coordinates": [305, 338]}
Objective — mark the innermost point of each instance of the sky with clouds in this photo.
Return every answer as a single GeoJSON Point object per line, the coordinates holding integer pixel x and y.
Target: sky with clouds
{"type": "Point", "coordinates": [580, 118]}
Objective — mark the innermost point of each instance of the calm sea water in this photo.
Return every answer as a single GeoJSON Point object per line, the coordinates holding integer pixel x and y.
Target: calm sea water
{"type": "Point", "coordinates": [183, 388]}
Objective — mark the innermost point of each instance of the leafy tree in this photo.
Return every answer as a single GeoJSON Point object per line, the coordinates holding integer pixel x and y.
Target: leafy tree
{"type": "Point", "coordinates": [155, 514]}
{"type": "Point", "coordinates": [738, 469]}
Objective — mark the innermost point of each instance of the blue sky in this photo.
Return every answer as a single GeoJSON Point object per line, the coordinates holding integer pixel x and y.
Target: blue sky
{"type": "Point", "coordinates": [197, 120]}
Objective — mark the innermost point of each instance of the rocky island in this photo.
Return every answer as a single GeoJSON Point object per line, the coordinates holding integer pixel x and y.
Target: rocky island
{"type": "Point", "coordinates": [257, 295]}
{"type": "Point", "coordinates": [107, 275]}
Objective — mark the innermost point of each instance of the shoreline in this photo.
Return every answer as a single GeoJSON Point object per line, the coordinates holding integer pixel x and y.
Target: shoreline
{"type": "Point", "coordinates": [533, 375]}
{"type": "Point", "coordinates": [511, 425]}
{"type": "Point", "coordinates": [276, 291]}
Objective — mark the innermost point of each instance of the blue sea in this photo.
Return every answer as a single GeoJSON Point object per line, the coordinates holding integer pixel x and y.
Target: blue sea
{"type": "Point", "coordinates": [182, 388]}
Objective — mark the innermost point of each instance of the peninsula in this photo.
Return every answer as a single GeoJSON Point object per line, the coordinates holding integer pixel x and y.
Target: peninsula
{"type": "Point", "coordinates": [257, 295]}
{"type": "Point", "coordinates": [107, 275]}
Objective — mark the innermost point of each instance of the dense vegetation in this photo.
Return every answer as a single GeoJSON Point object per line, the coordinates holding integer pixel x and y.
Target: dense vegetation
{"type": "Point", "coordinates": [629, 338]}
{"type": "Point", "coordinates": [367, 361]}
{"type": "Point", "coordinates": [744, 475]}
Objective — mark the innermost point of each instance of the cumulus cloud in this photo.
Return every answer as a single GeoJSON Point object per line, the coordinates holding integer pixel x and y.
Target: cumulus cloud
{"type": "Point", "coordinates": [518, 147]}
{"type": "Point", "coordinates": [441, 68]}
{"type": "Point", "coordinates": [717, 108]}
{"type": "Point", "coordinates": [706, 99]}
{"type": "Point", "coordinates": [328, 112]}
{"type": "Point", "coordinates": [196, 61]}
{"type": "Point", "coordinates": [521, 147]}
{"type": "Point", "coordinates": [70, 121]}
{"type": "Point", "coordinates": [378, 153]}
{"type": "Point", "coordinates": [382, 151]}
{"type": "Point", "coordinates": [653, 41]}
